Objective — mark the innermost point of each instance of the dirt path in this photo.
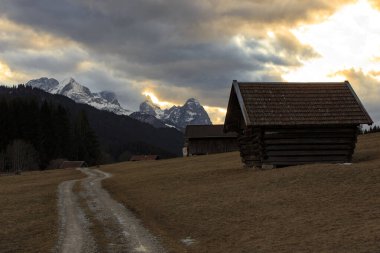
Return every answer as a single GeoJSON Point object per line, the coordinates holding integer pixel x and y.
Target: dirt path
{"type": "Point", "coordinates": [124, 232]}
{"type": "Point", "coordinates": [74, 233]}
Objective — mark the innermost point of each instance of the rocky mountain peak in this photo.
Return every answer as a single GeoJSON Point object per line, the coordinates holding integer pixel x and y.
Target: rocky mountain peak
{"type": "Point", "coordinates": [109, 96]}
{"type": "Point", "coordinates": [192, 101]}
{"type": "Point", "coordinates": [149, 107]}
{"type": "Point", "coordinates": [191, 113]}
{"type": "Point", "coordinates": [43, 83]}
{"type": "Point", "coordinates": [72, 88]}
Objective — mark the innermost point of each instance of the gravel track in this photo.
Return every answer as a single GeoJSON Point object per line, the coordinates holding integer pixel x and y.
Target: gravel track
{"type": "Point", "coordinates": [124, 231]}
{"type": "Point", "coordinates": [74, 236]}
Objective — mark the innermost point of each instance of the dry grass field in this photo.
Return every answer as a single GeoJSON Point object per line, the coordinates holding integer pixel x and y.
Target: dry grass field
{"type": "Point", "coordinates": [28, 210]}
{"type": "Point", "coordinates": [225, 208]}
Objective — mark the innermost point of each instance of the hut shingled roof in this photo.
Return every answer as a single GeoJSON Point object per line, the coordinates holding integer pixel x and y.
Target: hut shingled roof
{"type": "Point", "coordinates": [287, 103]}
{"type": "Point", "coordinates": [144, 157]}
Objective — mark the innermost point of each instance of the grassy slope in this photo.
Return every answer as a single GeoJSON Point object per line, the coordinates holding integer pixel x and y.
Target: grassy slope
{"type": "Point", "coordinates": [28, 210]}
{"type": "Point", "coordinates": [310, 208]}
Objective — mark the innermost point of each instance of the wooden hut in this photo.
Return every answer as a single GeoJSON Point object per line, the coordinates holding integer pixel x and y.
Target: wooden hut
{"type": "Point", "coordinates": [208, 139]}
{"type": "Point", "coordinates": [136, 158]}
{"type": "Point", "coordinates": [281, 124]}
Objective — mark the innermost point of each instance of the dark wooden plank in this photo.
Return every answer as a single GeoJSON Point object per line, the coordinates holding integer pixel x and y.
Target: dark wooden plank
{"type": "Point", "coordinates": [316, 159]}
{"type": "Point", "coordinates": [310, 141]}
{"type": "Point", "coordinates": [289, 163]}
{"type": "Point", "coordinates": [251, 158]}
{"type": "Point", "coordinates": [310, 130]}
{"type": "Point", "coordinates": [309, 147]}
{"type": "Point", "coordinates": [248, 137]}
{"type": "Point", "coordinates": [308, 153]}
{"type": "Point", "coordinates": [308, 135]}
{"type": "Point", "coordinates": [250, 148]}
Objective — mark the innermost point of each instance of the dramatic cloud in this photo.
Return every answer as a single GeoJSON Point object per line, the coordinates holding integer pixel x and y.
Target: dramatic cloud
{"type": "Point", "coordinates": [375, 3]}
{"type": "Point", "coordinates": [34, 53]}
{"type": "Point", "coordinates": [175, 48]}
{"type": "Point", "coordinates": [366, 86]}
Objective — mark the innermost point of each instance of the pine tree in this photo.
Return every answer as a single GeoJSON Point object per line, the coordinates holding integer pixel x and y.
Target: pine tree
{"type": "Point", "coordinates": [63, 133]}
{"type": "Point", "coordinates": [48, 134]}
{"type": "Point", "coordinates": [4, 123]}
{"type": "Point", "coordinates": [32, 117]}
{"type": "Point", "coordinates": [3, 161]}
{"type": "Point", "coordinates": [86, 146]}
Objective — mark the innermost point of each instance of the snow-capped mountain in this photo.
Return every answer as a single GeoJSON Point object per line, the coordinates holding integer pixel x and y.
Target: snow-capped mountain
{"type": "Point", "coordinates": [191, 113]}
{"type": "Point", "coordinates": [104, 100]}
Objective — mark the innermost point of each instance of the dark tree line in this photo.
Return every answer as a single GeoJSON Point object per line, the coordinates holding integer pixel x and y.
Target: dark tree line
{"type": "Point", "coordinates": [371, 129]}
{"type": "Point", "coordinates": [33, 133]}
{"type": "Point", "coordinates": [119, 136]}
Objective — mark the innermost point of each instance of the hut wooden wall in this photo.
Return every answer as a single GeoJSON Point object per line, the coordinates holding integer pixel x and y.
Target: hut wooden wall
{"type": "Point", "coordinates": [281, 146]}
{"type": "Point", "coordinates": [211, 146]}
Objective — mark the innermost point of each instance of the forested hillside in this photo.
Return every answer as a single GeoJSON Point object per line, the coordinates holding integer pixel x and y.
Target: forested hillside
{"type": "Point", "coordinates": [53, 126]}
{"type": "Point", "coordinates": [37, 133]}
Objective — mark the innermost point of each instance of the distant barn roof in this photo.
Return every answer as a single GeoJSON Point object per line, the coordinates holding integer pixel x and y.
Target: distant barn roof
{"type": "Point", "coordinates": [144, 157]}
{"type": "Point", "coordinates": [281, 103]}
{"type": "Point", "coordinates": [207, 131]}
{"type": "Point", "coordinates": [73, 164]}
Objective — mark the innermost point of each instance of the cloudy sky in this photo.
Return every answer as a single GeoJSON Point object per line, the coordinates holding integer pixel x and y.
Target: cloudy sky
{"type": "Point", "coordinates": [176, 49]}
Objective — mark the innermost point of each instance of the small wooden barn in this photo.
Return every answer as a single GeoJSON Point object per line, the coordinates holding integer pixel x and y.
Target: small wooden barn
{"type": "Point", "coordinates": [136, 158]}
{"type": "Point", "coordinates": [208, 139]}
{"type": "Point", "coordinates": [280, 124]}
{"type": "Point", "coordinates": [73, 164]}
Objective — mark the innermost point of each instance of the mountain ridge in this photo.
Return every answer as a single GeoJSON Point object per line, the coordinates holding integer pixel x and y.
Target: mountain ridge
{"type": "Point", "coordinates": [104, 100]}
{"type": "Point", "coordinates": [190, 113]}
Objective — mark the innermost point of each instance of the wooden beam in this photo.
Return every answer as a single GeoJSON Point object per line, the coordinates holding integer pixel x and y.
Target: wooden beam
{"type": "Point", "coordinates": [359, 102]}
{"type": "Point", "coordinates": [241, 103]}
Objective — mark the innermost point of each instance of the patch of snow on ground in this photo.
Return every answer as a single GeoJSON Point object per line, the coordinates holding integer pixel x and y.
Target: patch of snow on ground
{"type": "Point", "coordinates": [188, 241]}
